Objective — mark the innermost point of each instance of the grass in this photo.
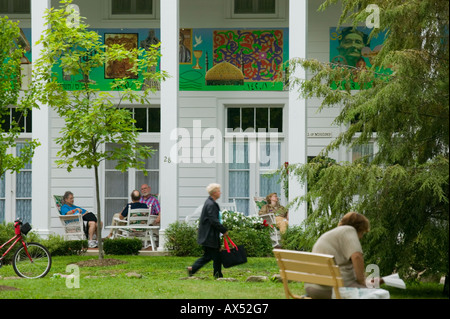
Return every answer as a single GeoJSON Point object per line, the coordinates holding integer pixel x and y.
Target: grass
{"type": "Point", "coordinates": [164, 278]}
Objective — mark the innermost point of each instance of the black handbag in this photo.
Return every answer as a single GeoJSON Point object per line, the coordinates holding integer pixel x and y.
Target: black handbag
{"type": "Point", "coordinates": [236, 255]}
{"type": "Point", "coordinates": [25, 228]}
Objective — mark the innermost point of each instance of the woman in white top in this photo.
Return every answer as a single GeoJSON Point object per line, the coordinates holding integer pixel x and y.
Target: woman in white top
{"type": "Point", "coordinates": [343, 242]}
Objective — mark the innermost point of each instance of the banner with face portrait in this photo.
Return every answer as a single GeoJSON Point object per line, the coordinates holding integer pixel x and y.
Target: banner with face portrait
{"type": "Point", "coordinates": [351, 47]}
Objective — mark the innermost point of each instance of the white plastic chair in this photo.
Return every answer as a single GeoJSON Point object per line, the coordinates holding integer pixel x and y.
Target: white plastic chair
{"type": "Point", "coordinates": [191, 219]}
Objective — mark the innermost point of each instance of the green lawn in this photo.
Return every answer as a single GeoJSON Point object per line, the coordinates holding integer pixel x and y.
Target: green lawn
{"type": "Point", "coordinates": [163, 278]}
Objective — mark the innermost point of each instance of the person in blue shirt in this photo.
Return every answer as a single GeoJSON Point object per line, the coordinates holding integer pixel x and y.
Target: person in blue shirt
{"type": "Point", "coordinates": [70, 209]}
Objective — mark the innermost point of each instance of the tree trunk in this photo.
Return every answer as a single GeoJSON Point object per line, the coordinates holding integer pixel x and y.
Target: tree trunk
{"type": "Point", "coordinates": [99, 217]}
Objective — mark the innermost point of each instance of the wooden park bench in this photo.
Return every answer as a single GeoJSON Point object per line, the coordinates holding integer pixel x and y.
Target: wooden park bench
{"type": "Point", "coordinates": [310, 268]}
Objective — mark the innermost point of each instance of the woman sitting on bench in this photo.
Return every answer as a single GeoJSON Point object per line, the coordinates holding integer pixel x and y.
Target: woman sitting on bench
{"type": "Point", "coordinates": [343, 242]}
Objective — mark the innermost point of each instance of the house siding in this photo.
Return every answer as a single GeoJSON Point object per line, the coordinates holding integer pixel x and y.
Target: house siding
{"type": "Point", "coordinates": [207, 107]}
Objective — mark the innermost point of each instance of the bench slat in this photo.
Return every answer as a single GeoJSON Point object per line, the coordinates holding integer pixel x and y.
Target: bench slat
{"type": "Point", "coordinates": [312, 268]}
{"type": "Point", "coordinates": [303, 256]}
{"type": "Point", "coordinates": [313, 279]}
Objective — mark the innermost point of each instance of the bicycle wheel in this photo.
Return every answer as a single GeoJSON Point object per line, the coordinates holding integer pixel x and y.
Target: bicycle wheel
{"type": "Point", "coordinates": [38, 267]}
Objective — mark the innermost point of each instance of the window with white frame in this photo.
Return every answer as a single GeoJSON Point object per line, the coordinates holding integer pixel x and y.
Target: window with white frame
{"type": "Point", "coordinates": [24, 122]}
{"type": "Point", "coordinates": [255, 119]}
{"type": "Point", "coordinates": [132, 9]}
{"type": "Point", "coordinates": [254, 6]}
{"type": "Point", "coordinates": [365, 151]}
{"type": "Point", "coordinates": [253, 157]}
{"type": "Point", "coordinates": [15, 188]}
{"type": "Point", "coordinates": [15, 192]}
{"type": "Point", "coordinates": [148, 119]}
{"type": "Point", "coordinates": [23, 190]}
{"type": "Point", "coordinates": [256, 9]}
{"type": "Point", "coordinates": [15, 7]}
{"type": "Point", "coordinates": [118, 185]}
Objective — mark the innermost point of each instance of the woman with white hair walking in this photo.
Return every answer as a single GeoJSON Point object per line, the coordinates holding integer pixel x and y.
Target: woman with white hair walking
{"type": "Point", "coordinates": [209, 232]}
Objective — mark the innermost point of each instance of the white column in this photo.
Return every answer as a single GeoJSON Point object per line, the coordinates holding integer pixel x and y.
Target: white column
{"type": "Point", "coordinates": [169, 116]}
{"type": "Point", "coordinates": [297, 138]}
{"type": "Point", "coordinates": [41, 208]}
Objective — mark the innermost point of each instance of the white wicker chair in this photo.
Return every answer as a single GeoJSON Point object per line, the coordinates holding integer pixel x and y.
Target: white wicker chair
{"type": "Point", "coordinates": [73, 224]}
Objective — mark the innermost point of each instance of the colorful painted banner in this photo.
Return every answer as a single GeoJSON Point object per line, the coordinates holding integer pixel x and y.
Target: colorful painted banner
{"type": "Point", "coordinates": [258, 53]}
{"type": "Point", "coordinates": [235, 60]}
{"type": "Point", "coordinates": [351, 47]}
{"type": "Point", "coordinates": [210, 59]}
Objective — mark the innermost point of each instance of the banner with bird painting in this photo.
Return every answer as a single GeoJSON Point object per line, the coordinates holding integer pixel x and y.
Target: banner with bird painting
{"type": "Point", "coordinates": [209, 59]}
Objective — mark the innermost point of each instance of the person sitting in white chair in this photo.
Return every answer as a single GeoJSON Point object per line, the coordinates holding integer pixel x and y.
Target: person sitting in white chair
{"type": "Point", "coordinates": [135, 197]}
{"type": "Point", "coordinates": [280, 212]}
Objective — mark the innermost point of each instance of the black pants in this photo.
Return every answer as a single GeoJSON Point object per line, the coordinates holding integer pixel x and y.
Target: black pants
{"type": "Point", "coordinates": [88, 217]}
{"type": "Point", "coordinates": [208, 255]}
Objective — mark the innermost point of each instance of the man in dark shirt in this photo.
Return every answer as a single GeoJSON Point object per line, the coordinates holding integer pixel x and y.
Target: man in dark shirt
{"type": "Point", "coordinates": [209, 232]}
{"type": "Point", "coordinates": [135, 197]}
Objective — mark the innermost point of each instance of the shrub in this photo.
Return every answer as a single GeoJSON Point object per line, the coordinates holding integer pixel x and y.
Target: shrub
{"type": "Point", "coordinates": [122, 246]}
{"type": "Point", "coordinates": [294, 239]}
{"type": "Point", "coordinates": [257, 243]}
{"type": "Point", "coordinates": [57, 246]}
{"type": "Point", "coordinates": [181, 240]}
{"type": "Point", "coordinates": [249, 231]}
{"type": "Point", "coordinates": [235, 220]}
{"type": "Point", "coordinates": [6, 232]}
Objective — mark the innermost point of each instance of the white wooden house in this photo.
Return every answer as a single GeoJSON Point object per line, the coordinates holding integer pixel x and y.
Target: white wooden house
{"type": "Point", "coordinates": [202, 40]}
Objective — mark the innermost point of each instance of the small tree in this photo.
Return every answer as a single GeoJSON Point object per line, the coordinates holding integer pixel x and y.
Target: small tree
{"type": "Point", "coordinates": [404, 189]}
{"type": "Point", "coordinates": [10, 86]}
{"type": "Point", "coordinates": [92, 119]}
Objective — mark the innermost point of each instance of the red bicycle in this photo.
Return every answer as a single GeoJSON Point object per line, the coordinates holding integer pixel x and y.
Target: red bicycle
{"type": "Point", "coordinates": [31, 260]}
